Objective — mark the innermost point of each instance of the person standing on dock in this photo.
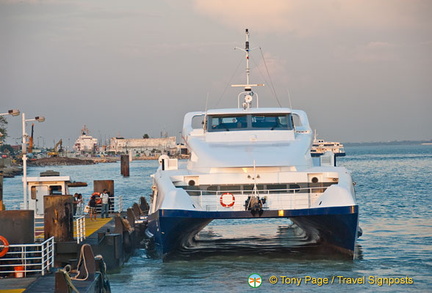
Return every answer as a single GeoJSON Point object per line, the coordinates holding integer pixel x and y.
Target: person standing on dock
{"type": "Point", "coordinates": [92, 205]}
{"type": "Point", "coordinates": [79, 204]}
{"type": "Point", "coordinates": [105, 203]}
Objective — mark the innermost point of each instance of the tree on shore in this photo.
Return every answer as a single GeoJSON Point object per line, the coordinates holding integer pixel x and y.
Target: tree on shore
{"type": "Point", "coordinates": [3, 130]}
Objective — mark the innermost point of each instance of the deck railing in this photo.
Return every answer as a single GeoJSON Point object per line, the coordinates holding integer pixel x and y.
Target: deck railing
{"type": "Point", "coordinates": [22, 259]}
{"type": "Point", "coordinates": [296, 198]}
{"type": "Point", "coordinates": [116, 205]}
{"type": "Point", "coordinates": [79, 228]}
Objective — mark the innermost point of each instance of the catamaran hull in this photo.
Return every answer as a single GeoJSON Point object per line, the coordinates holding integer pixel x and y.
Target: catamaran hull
{"type": "Point", "coordinates": [335, 226]}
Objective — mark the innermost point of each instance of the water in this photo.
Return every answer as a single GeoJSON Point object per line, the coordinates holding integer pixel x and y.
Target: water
{"type": "Point", "coordinates": [393, 185]}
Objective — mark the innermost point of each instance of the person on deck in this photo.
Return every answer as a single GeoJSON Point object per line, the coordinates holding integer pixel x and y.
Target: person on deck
{"type": "Point", "coordinates": [92, 205]}
{"type": "Point", "coordinates": [105, 203]}
{"type": "Point", "coordinates": [79, 205]}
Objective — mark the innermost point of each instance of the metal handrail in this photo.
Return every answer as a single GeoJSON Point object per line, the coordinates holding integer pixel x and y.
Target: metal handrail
{"type": "Point", "coordinates": [293, 198]}
{"type": "Point", "coordinates": [116, 205]}
{"type": "Point", "coordinates": [260, 192]}
{"type": "Point", "coordinates": [79, 228]}
{"type": "Point", "coordinates": [22, 259]}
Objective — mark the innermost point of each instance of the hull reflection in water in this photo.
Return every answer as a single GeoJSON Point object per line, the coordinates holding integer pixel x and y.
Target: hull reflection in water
{"type": "Point", "coordinates": [254, 239]}
{"type": "Point", "coordinates": [176, 229]}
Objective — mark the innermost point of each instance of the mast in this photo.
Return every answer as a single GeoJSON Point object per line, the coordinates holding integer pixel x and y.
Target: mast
{"type": "Point", "coordinates": [248, 94]}
{"type": "Point", "coordinates": [247, 57]}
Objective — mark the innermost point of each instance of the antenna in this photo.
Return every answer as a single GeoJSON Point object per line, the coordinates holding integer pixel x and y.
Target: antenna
{"type": "Point", "coordinates": [206, 106]}
{"type": "Point", "coordinates": [289, 97]}
{"type": "Point", "coordinates": [247, 93]}
{"type": "Point", "coordinates": [247, 57]}
{"type": "Point", "coordinates": [204, 122]}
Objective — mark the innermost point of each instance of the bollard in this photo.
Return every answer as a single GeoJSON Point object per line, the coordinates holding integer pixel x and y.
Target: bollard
{"type": "Point", "coordinates": [144, 206]}
{"type": "Point", "coordinates": [125, 165]}
{"type": "Point", "coordinates": [131, 217]}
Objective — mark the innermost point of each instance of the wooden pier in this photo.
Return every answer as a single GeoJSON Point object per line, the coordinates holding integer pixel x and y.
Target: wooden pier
{"type": "Point", "coordinates": [112, 240]}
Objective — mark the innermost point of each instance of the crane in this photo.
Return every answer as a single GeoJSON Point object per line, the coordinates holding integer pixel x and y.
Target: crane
{"type": "Point", "coordinates": [57, 148]}
{"type": "Point", "coordinates": [30, 146]}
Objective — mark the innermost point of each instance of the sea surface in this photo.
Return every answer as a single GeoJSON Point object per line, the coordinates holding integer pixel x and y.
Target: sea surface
{"type": "Point", "coordinates": [393, 185]}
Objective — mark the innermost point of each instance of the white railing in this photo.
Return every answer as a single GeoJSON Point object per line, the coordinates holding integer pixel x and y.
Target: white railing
{"type": "Point", "coordinates": [116, 205]}
{"type": "Point", "coordinates": [22, 259]}
{"type": "Point", "coordinates": [275, 199]}
{"type": "Point", "coordinates": [79, 228]}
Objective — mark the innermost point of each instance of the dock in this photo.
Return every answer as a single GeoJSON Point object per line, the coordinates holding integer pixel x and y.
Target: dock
{"type": "Point", "coordinates": [108, 244]}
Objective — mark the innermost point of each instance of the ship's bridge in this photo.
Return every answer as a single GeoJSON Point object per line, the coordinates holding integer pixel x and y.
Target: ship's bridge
{"type": "Point", "coordinates": [242, 138]}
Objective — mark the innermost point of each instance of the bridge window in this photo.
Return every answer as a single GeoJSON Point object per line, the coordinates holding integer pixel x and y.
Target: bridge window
{"type": "Point", "coordinates": [227, 123]}
{"type": "Point", "coordinates": [274, 121]}
{"type": "Point", "coordinates": [249, 122]}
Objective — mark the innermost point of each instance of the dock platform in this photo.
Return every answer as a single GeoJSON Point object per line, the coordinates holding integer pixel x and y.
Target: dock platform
{"type": "Point", "coordinates": [96, 231]}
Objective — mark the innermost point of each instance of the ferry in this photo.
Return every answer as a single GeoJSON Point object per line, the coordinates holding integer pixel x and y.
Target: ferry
{"type": "Point", "coordinates": [250, 162]}
{"type": "Point", "coordinates": [85, 142]}
{"type": "Point", "coordinates": [320, 146]}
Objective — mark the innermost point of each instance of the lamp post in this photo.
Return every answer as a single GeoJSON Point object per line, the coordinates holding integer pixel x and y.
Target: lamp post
{"type": "Point", "coordinates": [13, 113]}
{"type": "Point", "coordinates": [24, 154]}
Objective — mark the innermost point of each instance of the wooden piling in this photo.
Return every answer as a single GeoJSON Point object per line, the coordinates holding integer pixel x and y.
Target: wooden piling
{"type": "Point", "coordinates": [58, 219]}
{"type": "Point", "coordinates": [125, 165]}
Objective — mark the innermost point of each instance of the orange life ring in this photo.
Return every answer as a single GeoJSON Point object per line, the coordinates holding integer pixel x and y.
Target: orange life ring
{"type": "Point", "coordinates": [97, 197]}
{"type": "Point", "coordinates": [5, 246]}
{"type": "Point", "coordinates": [229, 204]}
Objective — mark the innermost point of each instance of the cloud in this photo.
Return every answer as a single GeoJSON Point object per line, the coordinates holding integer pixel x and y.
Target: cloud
{"type": "Point", "coordinates": [311, 17]}
{"type": "Point", "coordinates": [265, 15]}
{"type": "Point", "coordinates": [376, 51]}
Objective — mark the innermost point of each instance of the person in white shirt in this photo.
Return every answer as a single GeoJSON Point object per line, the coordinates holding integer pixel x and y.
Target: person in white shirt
{"type": "Point", "coordinates": [105, 203]}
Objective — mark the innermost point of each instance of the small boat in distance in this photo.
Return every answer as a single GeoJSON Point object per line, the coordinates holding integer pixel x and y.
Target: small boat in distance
{"type": "Point", "coordinates": [85, 143]}
{"type": "Point", "coordinates": [250, 163]}
{"type": "Point", "coordinates": [320, 146]}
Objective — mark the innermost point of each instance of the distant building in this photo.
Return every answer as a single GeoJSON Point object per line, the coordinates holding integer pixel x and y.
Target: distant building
{"type": "Point", "coordinates": [85, 143]}
{"type": "Point", "coordinates": [143, 146]}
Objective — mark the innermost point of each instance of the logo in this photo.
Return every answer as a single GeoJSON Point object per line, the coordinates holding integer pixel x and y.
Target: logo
{"type": "Point", "coordinates": [254, 280]}
{"type": "Point", "coordinates": [273, 280]}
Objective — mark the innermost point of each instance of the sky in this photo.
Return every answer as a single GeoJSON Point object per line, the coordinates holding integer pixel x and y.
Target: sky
{"type": "Point", "coordinates": [362, 70]}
